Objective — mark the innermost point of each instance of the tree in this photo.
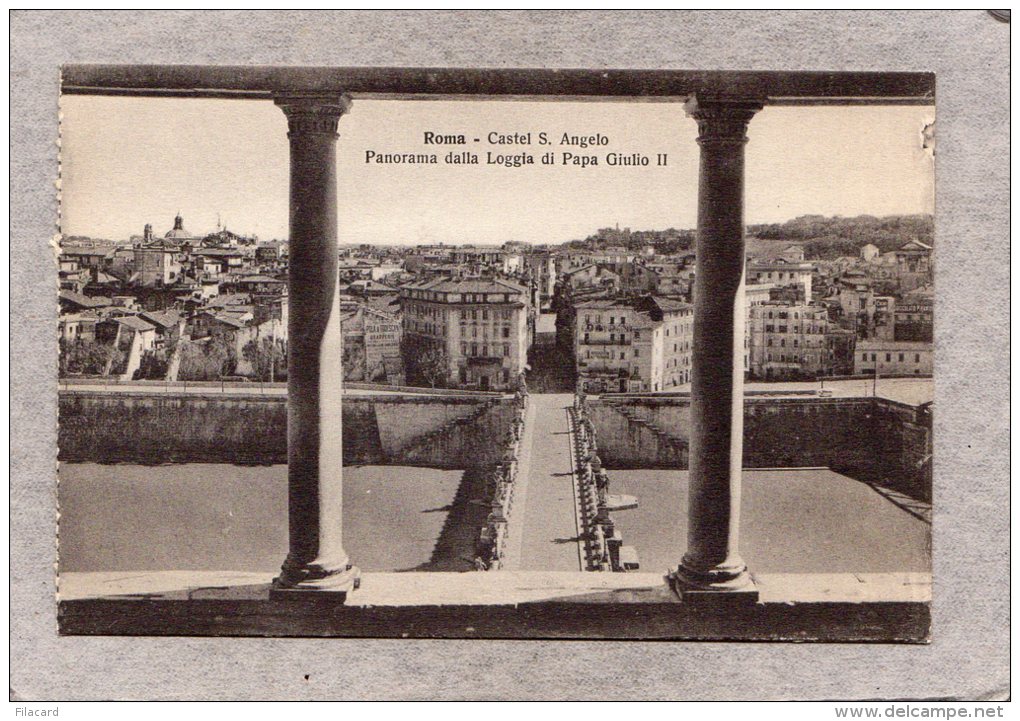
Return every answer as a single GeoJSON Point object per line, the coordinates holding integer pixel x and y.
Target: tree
{"type": "Point", "coordinates": [85, 357]}
{"type": "Point", "coordinates": [207, 361]}
{"type": "Point", "coordinates": [268, 358]}
{"type": "Point", "coordinates": [424, 359]}
{"type": "Point", "coordinates": [153, 365]}
{"type": "Point", "coordinates": [354, 359]}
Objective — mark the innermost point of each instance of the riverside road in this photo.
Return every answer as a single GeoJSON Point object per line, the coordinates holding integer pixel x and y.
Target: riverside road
{"type": "Point", "coordinates": [914, 391]}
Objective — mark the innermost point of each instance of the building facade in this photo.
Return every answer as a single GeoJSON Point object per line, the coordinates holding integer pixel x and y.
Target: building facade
{"type": "Point", "coordinates": [886, 358]}
{"type": "Point", "coordinates": [633, 345]}
{"type": "Point", "coordinates": [466, 333]}
{"type": "Point", "coordinates": [371, 345]}
{"type": "Point", "coordinates": [781, 272]}
{"type": "Point", "coordinates": [915, 316]}
{"type": "Point", "coordinates": [788, 340]}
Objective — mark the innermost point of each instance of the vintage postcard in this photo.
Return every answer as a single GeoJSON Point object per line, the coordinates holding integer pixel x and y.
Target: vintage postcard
{"type": "Point", "coordinates": [471, 353]}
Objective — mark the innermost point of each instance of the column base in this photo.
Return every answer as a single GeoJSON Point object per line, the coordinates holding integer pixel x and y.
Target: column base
{"type": "Point", "coordinates": [334, 586]}
{"type": "Point", "coordinates": [717, 588]}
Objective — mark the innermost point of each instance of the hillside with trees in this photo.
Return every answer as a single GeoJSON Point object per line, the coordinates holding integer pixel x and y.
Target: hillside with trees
{"type": "Point", "coordinates": [822, 237]}
{"type": "Point", "coordinates": [825, 238]}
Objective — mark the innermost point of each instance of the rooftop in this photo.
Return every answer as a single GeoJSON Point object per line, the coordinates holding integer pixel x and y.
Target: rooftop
{"type": "Point", "coordinates": [467, 285]}
{"type": "Point", "coordinates": [134, 323]}
{"type": "Point", "coordinates": [165, 319]}
{"type": "Point", "coordinates": [878, 344]}
{"type": "Point", "coordinates": [83, 300]}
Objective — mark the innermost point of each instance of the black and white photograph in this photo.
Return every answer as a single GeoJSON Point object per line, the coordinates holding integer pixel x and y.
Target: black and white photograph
{"type": "Point", "coordinates": [461, 357]}
{"type": "Point", "coordinates": [442, 356]}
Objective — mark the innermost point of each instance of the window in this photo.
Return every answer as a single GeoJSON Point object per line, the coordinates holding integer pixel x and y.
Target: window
{"type": "Point", "coordinates": [474, 349]}
{"type": "Point", "coordinates": [872, 357]}
{"type": "Point", "coordinates": [901, 357]}
{"type": "Point", "coordinates": [917, 357]}
{"type": "Point", "coordinates": [485, 314]}
{"type": "Point", "coordinates": [623, 355]}
{"type": "Point", "coordinates": [485, 350]}
{"type": "Point", "coordinates": [506, 350]}
{"type": "Point", "coordinates": [586, 337]}
{"type": "Point", "coordinates": [637, 335]}
{"type": "Point", "coordinates": [637, 353]}
{"type": "Point", "coordinates": [888, 357]}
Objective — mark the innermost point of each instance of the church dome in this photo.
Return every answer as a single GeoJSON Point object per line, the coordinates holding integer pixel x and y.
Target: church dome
{"type": "Point", "coordinates": [178, 231]}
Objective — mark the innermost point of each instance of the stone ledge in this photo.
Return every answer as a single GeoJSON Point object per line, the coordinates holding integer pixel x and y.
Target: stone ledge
{"type": "Point", "coordinates": [507, 604]}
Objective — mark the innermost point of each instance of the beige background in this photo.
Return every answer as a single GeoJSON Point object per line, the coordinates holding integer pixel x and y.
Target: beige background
{"type": "Point", "coordinates": [129, 161]}
{"type": "Point", "coordinates": [968, 658]}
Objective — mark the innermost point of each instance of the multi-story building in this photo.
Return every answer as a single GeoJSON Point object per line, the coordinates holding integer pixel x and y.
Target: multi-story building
{"type": "Point", "coordinates": [788, 340]}
{"type": "Point", "coordinates": [893, 358]}
{"type": "Point", "coordinates": [881, 325]}
{"type": "Point", "coordinates": [914, 316]}
{"type": "Point", "coordinates": [841, 344]}
{"type": "Point", "coordinates": [754, 294]}
{"type": "Point", "coordinates": [466, 332]}
{"type": "Point", "coordinates": [542, 267]}
{"type": "Point", "coordinates": [633, 345]}
{"type": "Point", "coordinates": [371, 345]}
{"type": "Point", "coordinates": [914, 257]}
{"type": "Point", "coordinates": [869, 252]}
{"type": "Point", "coordinates": [782, 272]}
{"type": "Point", "coordinates": [156, 266]}
{"type": "Point", "coordinates": [611, 257]}
{"type": "Point", "coordinates": [478, 259]}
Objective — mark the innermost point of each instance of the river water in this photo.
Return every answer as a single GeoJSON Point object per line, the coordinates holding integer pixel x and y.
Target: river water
{"type": "Point", "coordinates": [792, 521]}
{"type": "Point", "coordinates": [215, 516]}
{"type": "Point", "coordinates": [224, 517]}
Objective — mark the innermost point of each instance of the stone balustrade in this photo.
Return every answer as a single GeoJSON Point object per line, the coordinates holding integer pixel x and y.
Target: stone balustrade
{"type": "Point", "coordinates": [602, 540]}
{"type": "Point", "coordinates": [501, 483]}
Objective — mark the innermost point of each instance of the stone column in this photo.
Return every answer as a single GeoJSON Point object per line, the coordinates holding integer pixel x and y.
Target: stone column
{"type": "Point", "coordinates": [317, 560]}
{"type": "Point", "coordinates": [712, 562]}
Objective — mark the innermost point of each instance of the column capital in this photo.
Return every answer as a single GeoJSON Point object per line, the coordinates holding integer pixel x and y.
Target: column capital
{"type": "Point", "coordinates": [313, 114]}
{"type": "Point", "coordinates": [722, 119]}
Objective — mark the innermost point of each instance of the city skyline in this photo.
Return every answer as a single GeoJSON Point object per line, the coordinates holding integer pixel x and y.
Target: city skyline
{"type": "Point", "coordinates": [128, 162]}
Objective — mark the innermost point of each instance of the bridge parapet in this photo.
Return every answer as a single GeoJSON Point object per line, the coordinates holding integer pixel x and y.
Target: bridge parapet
{"type": "Point", "coordinates": [603, 543]}
{"type": "Point", "coordinates": [492, 541]}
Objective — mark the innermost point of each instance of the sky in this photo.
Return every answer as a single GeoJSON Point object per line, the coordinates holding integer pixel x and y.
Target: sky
{"type": "Point", "coordinates": [126, 162]}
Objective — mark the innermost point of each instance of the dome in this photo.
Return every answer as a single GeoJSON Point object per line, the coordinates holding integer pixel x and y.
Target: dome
{"type": "Point", "coordinates": [178, 231]}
